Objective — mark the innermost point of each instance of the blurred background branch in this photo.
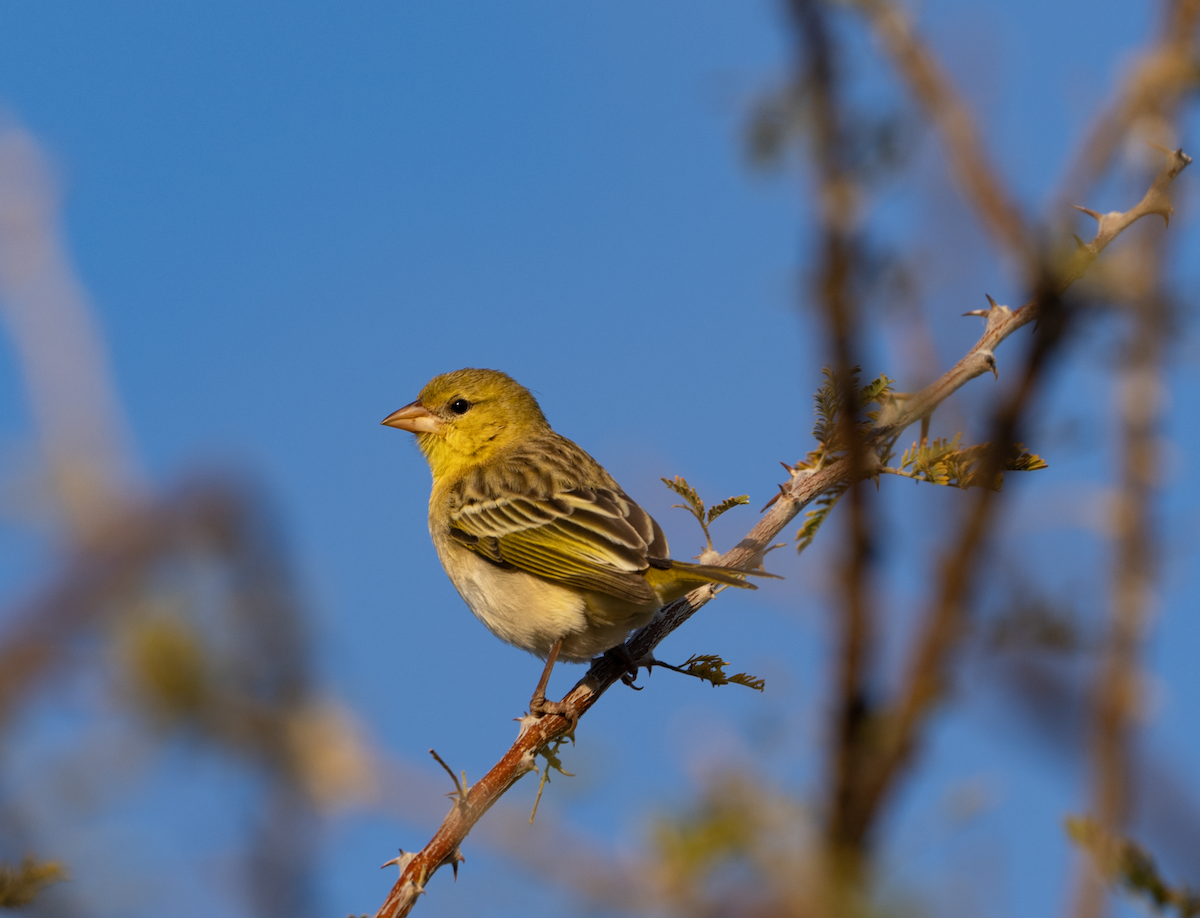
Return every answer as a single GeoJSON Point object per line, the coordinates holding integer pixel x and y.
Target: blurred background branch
{"type": "Point", "coordinates": [185, 594]}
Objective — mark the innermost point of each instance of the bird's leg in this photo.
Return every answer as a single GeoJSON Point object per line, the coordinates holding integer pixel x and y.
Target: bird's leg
{"type": "Point", "coordinates": [539, 694]}
{"type": "Point", "coordinates": [538, 705]}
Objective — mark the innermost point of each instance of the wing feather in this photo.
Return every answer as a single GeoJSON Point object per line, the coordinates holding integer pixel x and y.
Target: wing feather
{"type": "Point", "coordinates": [592, 538]}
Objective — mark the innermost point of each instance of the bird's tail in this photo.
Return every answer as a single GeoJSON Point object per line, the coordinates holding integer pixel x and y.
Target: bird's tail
{"type": "Point", "coordinates": [682, 577]}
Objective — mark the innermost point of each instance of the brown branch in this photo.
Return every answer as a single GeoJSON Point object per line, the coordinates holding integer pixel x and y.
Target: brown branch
{"type": "Point", "coordinates": [19, 886]}
{"type": "Point", "coordinates": [803, 487]}
{"type": "Point", "coordinates": [840, 260]}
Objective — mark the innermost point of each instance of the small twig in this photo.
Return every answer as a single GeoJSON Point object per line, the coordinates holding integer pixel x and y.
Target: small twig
{"type": "Point", "coordinates": [888, 470]}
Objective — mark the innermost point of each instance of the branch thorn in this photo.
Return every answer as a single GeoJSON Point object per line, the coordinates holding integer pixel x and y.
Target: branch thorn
{"type": "Point", "coordinates": [401, 861]}
{"type": "Point", "coordinates": [461, 788]}
{"type": "Point", "coordinates": [984, 313]}
{"type": "Point", "coordinates": [1096, 215]}
{"type": "Point", "coordinates": [455, 857]}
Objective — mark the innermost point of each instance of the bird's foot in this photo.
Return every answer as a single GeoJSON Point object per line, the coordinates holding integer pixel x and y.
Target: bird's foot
{"type": "Point", "coordinates": [539, 706]}
{"type": "Point", "coordinates": [623, 656]}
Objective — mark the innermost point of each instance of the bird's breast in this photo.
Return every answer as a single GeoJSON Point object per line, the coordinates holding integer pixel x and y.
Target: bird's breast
{"type": "Point", "coordinates": [520, 608]}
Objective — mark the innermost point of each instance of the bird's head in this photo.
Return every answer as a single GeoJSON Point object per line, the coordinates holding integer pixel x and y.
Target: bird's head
{"type": "Point", "coordinates": [465, 417]}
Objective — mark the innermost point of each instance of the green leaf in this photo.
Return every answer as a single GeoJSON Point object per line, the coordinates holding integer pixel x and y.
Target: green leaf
{"type": "Point", "coordinates": [709, 667]}
{"type": "Point", "coordinates": [876, 390]}
{"type": "Point", "coordinates": [759, 685]}
{"type": "Point", "coordinates": [944, 462]}
{"type": "Point", "coordinates": [550, 753]}
{"type": "Point", "coordinates": [829, 434]}
{"type": "Point", "coordinates": [727, 504]}
{"type": "Point", "coordinates": [815, 517]}
{"type": "Point", "coordinates": [1025, 461]}
{"type": "Point", "coordinates": [688, 493]}
{"type": "Point", "coordinates": [828, 401]}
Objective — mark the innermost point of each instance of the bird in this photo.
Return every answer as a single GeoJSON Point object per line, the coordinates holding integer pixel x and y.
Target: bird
{"type": "Point", "coordinates": [542, 544]}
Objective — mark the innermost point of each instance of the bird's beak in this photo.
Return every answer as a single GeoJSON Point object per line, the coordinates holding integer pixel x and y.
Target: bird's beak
{"type": "Point", "coordinates": [414, 417]}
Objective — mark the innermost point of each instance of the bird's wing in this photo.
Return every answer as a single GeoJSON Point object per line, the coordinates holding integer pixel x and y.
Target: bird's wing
{"type": "Point", "coordinates": [589, 538]}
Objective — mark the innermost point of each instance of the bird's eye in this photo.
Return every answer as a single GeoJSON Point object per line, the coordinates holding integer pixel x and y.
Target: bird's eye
{"type": "Point", "coordinates": [460, 406]}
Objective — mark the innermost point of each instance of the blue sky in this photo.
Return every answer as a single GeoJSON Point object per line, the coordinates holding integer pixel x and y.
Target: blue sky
{"type": "Point", "coordinates": [290, 216]}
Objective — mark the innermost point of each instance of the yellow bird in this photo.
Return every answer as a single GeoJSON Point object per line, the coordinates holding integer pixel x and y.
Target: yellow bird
{"type": "Point", "coordinates": [540, 541]}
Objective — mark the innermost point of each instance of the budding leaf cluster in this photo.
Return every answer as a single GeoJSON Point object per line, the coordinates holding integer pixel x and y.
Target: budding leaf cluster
{"type": "Point", "coordinates": [830, 433]}
{"type": "Point", "coordinates": [831, 401]}
{"type": "Point", "coordinates": [945, 462]}
{"type": "Point", "coordinates": [695, 505]}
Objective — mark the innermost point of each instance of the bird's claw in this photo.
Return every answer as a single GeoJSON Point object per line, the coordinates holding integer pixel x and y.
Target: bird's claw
{"type": "Point", "coordinates": [539, 707]}
{"type": "Point", "coordinates": [629, 677]}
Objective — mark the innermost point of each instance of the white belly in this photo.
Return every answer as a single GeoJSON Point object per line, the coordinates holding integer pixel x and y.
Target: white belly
{"type": "Point", "coordinates": [529, 612]}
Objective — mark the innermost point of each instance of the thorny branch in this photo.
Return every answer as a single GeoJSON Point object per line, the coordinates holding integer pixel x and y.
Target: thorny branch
{"type": "Point", "coordinates": [803, 487]}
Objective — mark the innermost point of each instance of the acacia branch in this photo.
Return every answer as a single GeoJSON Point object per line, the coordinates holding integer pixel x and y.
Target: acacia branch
{"type": "Point", "coordinates": [1002, 322]}
{"type": "Point", "coordinates": [803, 487]}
